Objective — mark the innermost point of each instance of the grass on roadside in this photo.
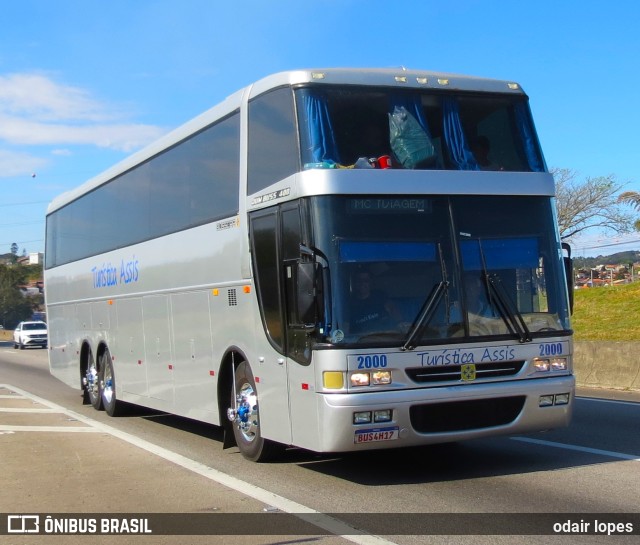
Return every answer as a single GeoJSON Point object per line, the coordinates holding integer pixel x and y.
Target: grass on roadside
{"type": "Point", "coordinates": [609, 313]}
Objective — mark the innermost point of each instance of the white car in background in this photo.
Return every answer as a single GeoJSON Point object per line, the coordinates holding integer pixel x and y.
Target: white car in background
{"type": "Point", "coordinates": [30, 334]}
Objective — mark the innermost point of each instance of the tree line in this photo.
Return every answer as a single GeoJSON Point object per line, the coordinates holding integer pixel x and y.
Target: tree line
{"type": "Point", "coordinates": [14, 305]}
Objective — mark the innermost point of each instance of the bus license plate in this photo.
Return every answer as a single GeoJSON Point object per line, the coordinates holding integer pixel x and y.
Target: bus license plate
{"type": "Point", "coordinates": [375, 435]}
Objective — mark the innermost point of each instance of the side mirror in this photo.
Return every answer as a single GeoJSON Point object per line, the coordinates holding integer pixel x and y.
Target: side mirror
{"type": "Point", "coordinates": [568, 271]}
{"type": "Point", "coordinates": [308, 280]}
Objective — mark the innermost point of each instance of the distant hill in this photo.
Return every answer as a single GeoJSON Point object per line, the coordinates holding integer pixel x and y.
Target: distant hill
{"type": "Point", "coordinates": [623, 258]}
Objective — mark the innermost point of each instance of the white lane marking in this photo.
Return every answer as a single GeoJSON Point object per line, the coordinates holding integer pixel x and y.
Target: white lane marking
{"type": "Point", "coordinates": [601, 452]}
{"type": "Point", "coordinates": [332, 525]}
{"type": "Point", "coordinates": [32, 411]}
{"type": "Point", "coordinates": [616, 401]}
{"type": "Point", "coordinates": [54, 429]}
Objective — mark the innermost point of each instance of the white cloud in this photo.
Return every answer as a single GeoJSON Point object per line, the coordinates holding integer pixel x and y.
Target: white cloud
{"type": "Point", "coordinates": [37, 96]}
{"type": "Point", "coordinates": [35, 110]}
{"type": "Point", "coordinates": [122, 137]}
{"type": "Point", "coordinates": [19, 164]}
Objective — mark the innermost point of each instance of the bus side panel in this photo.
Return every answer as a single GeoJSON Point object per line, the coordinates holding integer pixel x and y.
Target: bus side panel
{"type": "Point", "coordinates": [130, 365]}
{"type": "Point", "coordinates": [63, 360]}
{"type": "Point", "coordinates": [157, 340]}
{"type": "Point", "coordinates": [193, 366]}
{"type": "Point", "coordinates": [307, 428]}
{"type": "Point", "coordinates": [100, 320]}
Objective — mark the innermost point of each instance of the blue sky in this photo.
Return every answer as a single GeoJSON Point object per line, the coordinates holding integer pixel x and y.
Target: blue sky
{"type": "Point", "coordinates": [85, 83]}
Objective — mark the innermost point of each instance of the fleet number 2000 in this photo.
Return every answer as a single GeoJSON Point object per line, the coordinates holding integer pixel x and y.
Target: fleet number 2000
{"type": "Point", "coordinates": [372, 361]}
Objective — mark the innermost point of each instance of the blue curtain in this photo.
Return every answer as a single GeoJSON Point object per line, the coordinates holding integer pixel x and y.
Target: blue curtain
{"type": "Point", "coordinates": [413, 105]}
{"type": "Point", "coordinates": [454, 137]}
{"type": "Point", "coordinates": [525, 127]}
{"type": "Point", "coordinates": [319, 130]}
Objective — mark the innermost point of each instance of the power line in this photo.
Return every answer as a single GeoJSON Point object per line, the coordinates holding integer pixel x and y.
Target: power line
{"type": "Point", "coordinates": [23, 203]}
{"type": "Point", "coordinates": [608, 245]}
{"type": "Point", "coordinates": [20, 243]}
{"type": "Point", "coordinates": [21, 223]}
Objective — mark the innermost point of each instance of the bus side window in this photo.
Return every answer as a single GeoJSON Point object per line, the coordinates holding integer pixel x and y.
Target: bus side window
{"type": "Point", "coordinates": [273, 143]}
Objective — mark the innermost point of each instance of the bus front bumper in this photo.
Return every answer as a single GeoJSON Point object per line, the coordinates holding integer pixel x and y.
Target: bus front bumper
{"type": "Point", "coordinates": [367, 421]}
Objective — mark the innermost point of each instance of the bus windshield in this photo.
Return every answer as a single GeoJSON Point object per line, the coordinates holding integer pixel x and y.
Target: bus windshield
{"type": "Point", "coordinates": [408, 270]}
{"type": "Point", "coordinates": [352, 126]}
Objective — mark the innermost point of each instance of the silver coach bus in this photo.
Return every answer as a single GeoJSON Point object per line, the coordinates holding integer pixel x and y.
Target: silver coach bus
{"type": "Point", "coordinates": [334, 259]}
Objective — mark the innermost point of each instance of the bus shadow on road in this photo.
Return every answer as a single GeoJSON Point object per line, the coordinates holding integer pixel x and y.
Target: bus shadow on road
{"type": "Point", "coordinates": [450, 462]}
{"type": "Point", "coordinates": [194, 427]}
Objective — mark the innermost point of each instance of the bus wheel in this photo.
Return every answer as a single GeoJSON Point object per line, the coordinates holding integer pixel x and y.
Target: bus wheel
{"type": "Point", "coordinates": [246, 418]}
{"type": "Point", "coordinates": [112, 405]}
{"type": "Point", "coordinates": [92, 383]}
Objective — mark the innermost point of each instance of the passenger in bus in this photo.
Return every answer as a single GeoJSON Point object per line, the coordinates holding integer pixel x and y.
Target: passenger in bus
{"type": "Point", "coordinates": [481, 149]}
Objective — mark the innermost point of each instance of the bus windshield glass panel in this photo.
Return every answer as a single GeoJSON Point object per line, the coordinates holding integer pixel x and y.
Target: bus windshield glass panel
{"type": "Point", "coordinates": [438, 268]}
{"type": "Point", "coordinates": [345, 126]}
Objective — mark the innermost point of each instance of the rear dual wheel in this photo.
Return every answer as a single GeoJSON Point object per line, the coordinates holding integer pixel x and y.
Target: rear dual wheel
{"type": "Point", "coordinates": [92, 383]}
{"type": "Point", "coordinates": [100, 384]}
{"type": "Point", "coordinates": [112, 406]}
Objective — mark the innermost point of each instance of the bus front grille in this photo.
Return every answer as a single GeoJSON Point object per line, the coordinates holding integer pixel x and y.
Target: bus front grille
{"type": "Point", "coordinates": [465, 415]}
{"type": "Point", "coordinates": [447, 373]}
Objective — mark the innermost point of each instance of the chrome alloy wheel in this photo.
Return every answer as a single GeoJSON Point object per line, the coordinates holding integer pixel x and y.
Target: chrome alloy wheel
{"type": "Point", "coordinates": [247, 418]}
{"type": "Point", "coordinates": [107, 385]}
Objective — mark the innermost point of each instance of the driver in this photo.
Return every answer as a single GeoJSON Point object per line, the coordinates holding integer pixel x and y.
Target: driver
{"type": "Point", "coordinates": [369, 309]}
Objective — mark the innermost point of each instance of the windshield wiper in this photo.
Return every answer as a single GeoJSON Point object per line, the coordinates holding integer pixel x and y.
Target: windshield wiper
{"type": "Point", "coordinates": [508, 311]}
{"type": "Point", "coordinates": [426, 313]}
{"type": "Point", "coordinates": [429, 307]}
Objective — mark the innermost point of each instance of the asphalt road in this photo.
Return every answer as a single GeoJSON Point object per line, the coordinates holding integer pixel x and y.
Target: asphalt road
{"type": "Point", "coordinates": [148, 462]}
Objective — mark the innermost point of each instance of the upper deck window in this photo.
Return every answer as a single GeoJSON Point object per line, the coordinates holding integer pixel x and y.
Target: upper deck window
{"type": "Point", "coordinates": [418, 130]}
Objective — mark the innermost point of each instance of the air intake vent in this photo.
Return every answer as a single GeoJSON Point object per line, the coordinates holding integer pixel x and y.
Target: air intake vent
{"type": "Point", "coordinates": [233, 298]}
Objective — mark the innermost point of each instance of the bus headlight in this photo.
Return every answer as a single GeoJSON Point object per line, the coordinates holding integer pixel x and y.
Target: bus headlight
{"type": "Point", "coordinates": [553, 364]}
{"type": "Point", "coordinates": [360, 379]}
{"type": "Point", "coordinates": [541, 365]}
{"type": "Point", "coordinates": [381, 377]}
{"type": "Point", "coordinates": [375, 378]}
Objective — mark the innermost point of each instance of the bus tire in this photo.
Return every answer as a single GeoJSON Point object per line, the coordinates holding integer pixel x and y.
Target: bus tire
{"type": "Point", "coordinates": [112, 405]}
{"type": "Point", "coordinates": [252, 445]}
{"type": "Point", "coordinates": [92, 393]}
